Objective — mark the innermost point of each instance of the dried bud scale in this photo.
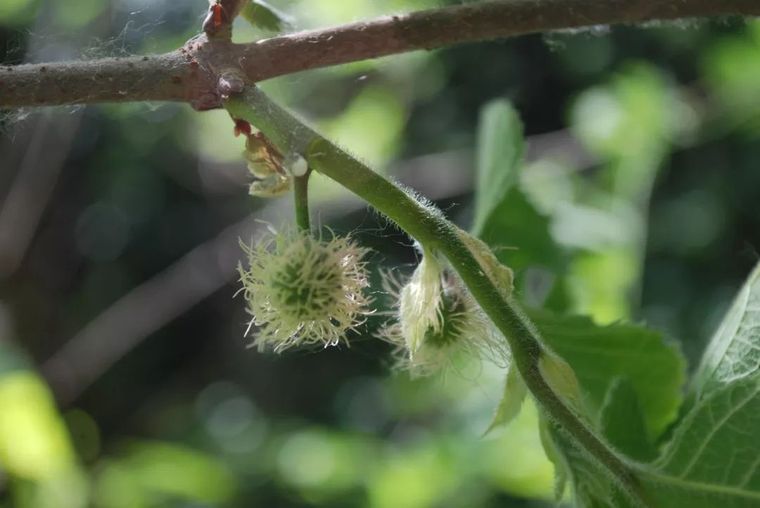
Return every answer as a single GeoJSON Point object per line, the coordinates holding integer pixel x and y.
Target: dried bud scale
{"type": "Point", "coordinates": [266, 165]}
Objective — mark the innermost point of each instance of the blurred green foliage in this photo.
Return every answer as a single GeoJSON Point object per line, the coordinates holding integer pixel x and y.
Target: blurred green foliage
{"type": "Point", "coordinates": [35, 449]}
{"type": "Point", "coordinates": [640, 205]}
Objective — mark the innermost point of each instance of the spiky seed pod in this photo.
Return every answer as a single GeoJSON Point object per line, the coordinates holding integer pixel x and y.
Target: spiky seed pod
{"type": "Point", "coordinates": [436, 320]}
{"type": "Point", "coordinates": [302, 290]}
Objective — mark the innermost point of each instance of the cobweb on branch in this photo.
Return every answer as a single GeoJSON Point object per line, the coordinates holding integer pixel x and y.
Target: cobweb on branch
{"type": "Point", "coordinates": [121, 29]}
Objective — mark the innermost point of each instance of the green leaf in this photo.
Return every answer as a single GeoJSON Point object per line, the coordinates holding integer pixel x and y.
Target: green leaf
{"type": "Point", "coordinates": [16, 11]}
{"type": "Point", "coordinates": [734, 351]}
{"type": "Point", "coordinates": [714, 457]}
{"type": "Point", "coordinates": [499, 156]}
{"type": "Point", "coordinates": [511, 401]}
{"type": "Point", "coordinates": [265, 17]}
{"type": "Point", "coordinates": [520, 234]}
{"type": "Point", "coordinates": [622, 422]}
{"type": "Point", "coordinates": [555, 455]}
{"type": "Point", "coordinates": [504, 216]}
{"type": "Point", "coordinates": [151, 471]}
{"type": "Point", "coordinates": [36, 454]}
{"type": "Point", "coordinates": [593, 487]}
{"type": "Point", "coordinates": [601, 354]}
{"type": "Point", "coordinates": [561, 378]}
{"type": "Point", "coordinates": [604, 359]}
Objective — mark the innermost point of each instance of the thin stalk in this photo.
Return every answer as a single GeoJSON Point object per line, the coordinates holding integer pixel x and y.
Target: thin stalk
{"type": "Point", "coordinates": [432, 230]}
{"type": "Point", "coordinates": [301, 197]}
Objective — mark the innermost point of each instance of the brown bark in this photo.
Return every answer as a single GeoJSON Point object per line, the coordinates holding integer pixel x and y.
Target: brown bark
{"type": "Point", "coordinates": [191, 73]}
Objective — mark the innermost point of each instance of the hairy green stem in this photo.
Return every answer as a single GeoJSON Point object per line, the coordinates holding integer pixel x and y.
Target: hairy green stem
{"type": "Point", "coordinates": [432, 230]}
{"type": "Point", "coordinates": [301, 197]}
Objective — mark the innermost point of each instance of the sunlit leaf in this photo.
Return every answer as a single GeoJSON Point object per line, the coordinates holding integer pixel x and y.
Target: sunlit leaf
{"type": "Point", "coordinates": [714, 457]}
{"type": "Point", "coordinates": [33, 441]}
{"type": "Point", "coordinates": [504, 217]}
{"type": "Point", "coordinates": [35, 449]}
{"type": "Point", "coordinates": [500, 151]}
{"type": "Point", "coordinates": [733, 353]}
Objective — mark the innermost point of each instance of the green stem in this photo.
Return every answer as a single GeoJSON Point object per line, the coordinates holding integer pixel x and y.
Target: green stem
{"type": "Point", "coordinates": [301, 196]}
{"type": "Point", "coordinates": [432, 230]}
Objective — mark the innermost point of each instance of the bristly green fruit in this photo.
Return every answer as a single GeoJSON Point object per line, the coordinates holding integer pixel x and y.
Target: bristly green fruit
{"type": "Point", "coordinates": [436, 319]}
{"type": "Point", "coordinates": [303, 290]}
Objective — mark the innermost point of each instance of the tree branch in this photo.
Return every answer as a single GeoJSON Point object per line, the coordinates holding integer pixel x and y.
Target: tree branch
{"type": "Point", "coordinates": [104, 80]}
{"type": "Point", "coordinates": [191, 73]}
